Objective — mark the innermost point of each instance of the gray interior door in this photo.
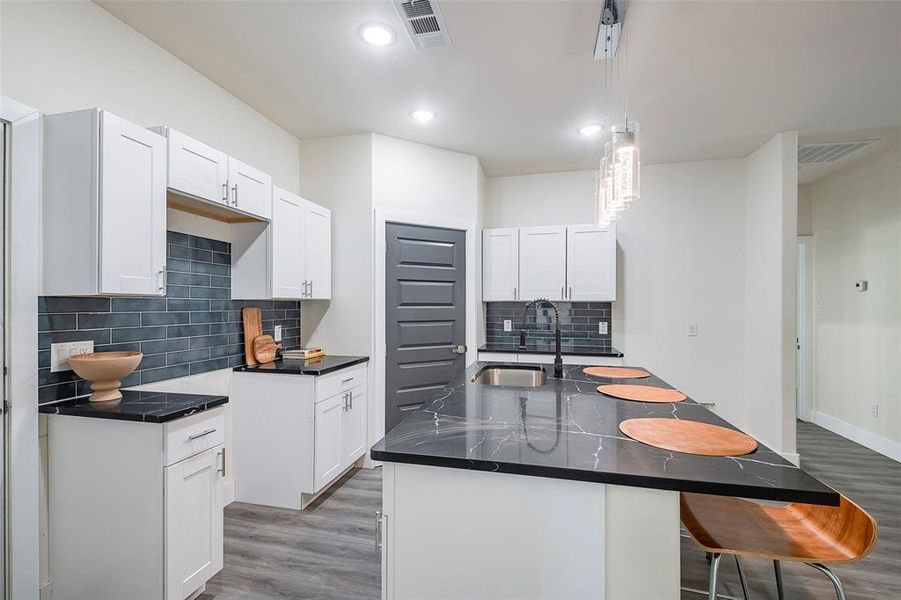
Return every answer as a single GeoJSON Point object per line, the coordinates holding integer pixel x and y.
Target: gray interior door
{"type": "Point", "coordinates": [425, 323]}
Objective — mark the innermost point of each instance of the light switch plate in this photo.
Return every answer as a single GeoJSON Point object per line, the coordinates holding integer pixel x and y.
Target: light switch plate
{"type": "Point", "coordinates": [692, 330]}
{"type": "Point", "coordinates": [603, 327]}
{"type": "Point", "coordinates": [508, 325]}
{"type": "Point", "coordinates": [60, 353]}
{"type": "Point", "coordinates": [277, 335]}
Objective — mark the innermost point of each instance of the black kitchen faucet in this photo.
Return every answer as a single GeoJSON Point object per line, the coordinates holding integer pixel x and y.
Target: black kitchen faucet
{"type": "Point", "coordinates": [558, 357]}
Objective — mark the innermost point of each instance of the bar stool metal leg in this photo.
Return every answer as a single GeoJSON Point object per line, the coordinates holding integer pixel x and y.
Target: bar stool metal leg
{"type": "Point", "coordinates": [714, 567]}
{"type": "Point", "coordinates": [741, 578]}
{"type": "Point", "coordinates": [779, 591]}
{"type": "Point", "coordinates": [836, 582]}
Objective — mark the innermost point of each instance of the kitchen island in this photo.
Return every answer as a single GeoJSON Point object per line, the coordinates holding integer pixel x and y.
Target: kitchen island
{"type": "Point", "coordinates": [518, 492]}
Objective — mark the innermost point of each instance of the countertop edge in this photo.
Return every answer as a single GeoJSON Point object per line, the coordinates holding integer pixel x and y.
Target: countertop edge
{"type": "Point", "coordinates": [641, 481]}
{"type": "Point", "coordinates": [51, 409]}
{"type": "Point", "coordinates": [301, 370]}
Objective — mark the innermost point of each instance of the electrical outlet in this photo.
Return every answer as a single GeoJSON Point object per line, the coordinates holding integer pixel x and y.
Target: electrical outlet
{"type": "Point", "coordinates": [277, 335]}
{"type": "Point", "coordinates": [874, 412]}
{"type": "Point", "coordinates": [692, 330]}
{"type": "Point", "coordinates": [603, 328]}
{"type": "Point", "coordinates": [60, 353]}
{"type": "Point", "coordinates": [508, 325]}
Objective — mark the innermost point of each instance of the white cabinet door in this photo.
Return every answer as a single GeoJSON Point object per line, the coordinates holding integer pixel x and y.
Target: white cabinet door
{"type": "Point", "coordinates": [193, 518]}
{"type": "Point", "coordinates": [500, 264]}
{"type": "Point", "coordinates": [327, 454]}
{"type": "Point", "coordinates": [542, 263]}
{"type": "Point", "coordinates": [196, 169]}
{"type": "Point", "coordinates": [288, 245]}
{"type": "Point", "coordinates": [319, 252]}
{"type": "Point", "coordinates": [353, 428]}
{"type": "Point", "coordinates": [250, 189]}
{"type": "Point", "coordinates": [591, 263]}
{"type": "Point", "coordinates": [132, 208]}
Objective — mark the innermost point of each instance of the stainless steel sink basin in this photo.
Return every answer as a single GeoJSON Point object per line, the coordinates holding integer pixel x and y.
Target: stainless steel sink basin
{"type": "Point", "coordinates": [532, 377]}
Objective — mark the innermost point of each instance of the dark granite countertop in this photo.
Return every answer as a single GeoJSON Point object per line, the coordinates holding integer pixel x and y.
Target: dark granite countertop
{"type": "Point", "coordinates": [151, 407]}
{"type": "Point", "coordinates": [542, 347]}
{"type": "Point", "coordinates": [315, 366]}
{"type": "Point", "coordinates": [567, 430]}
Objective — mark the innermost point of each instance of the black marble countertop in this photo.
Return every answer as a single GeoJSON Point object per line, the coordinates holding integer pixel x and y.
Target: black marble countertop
{"type": "Point", "coordinates": [567, 430]}
{"type": "Point", "coordinates": [151, 407]}
{"type": "Point", "coordinates": [549, 347]}
{"type": "Point", "coordinates": [315, 366]}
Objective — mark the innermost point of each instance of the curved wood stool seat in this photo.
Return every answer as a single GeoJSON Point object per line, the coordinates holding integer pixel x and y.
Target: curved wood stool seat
{"type": "Point", "coordinates": [806, 533]}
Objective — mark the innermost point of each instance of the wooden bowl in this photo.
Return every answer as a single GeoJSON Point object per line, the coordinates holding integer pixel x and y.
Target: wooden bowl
{"type": "Point", "coordinates": [105, 370]}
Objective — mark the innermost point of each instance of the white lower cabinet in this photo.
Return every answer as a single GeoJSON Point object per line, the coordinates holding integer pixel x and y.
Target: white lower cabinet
{"type": "Point", "coordinates": [135, 508]}
{"type": "Point", "coordinates": [307, 430]}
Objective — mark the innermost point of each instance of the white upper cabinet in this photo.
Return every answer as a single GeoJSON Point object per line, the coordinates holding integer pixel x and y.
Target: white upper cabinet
{"type": "Point", "coordinates": [250, 189]}
{"type": "Point", "coordinates": [500, 264]}
{"type": "Point", "coordinates": [318, 252]}
{"type": "Point", "coordinates": [574, 263]}
{"type": "Point", "coordinates": [196, 169]}
{"type": "Point", "coordinates": [542, 263]}
{"type": "Point", "coordinates": [591, 263]}
{"type": "Point", "coordinates": [288, 244]}
{"type": "Point", "coordinates": [199, 171]}
{"type": "Point", "coordinates": [104, 178]}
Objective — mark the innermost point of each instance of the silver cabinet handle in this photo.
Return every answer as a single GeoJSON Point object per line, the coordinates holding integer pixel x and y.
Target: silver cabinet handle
{"type": "Point", "coordinates": [350, 396]}
{"type": "Point", "coordinates": [348, 380]}
{"type": "Point", "coordinates": [225, 192]}
{"type": "Point", "coordinates": [562, 292]}
{"type": "Point", "coordinates": [191, 438]}
{"type": "Point", "coordinates": [222, 455]}
{"type": "Point", "coordinates": [310, 288]}
{"type": "Point", "coordinates": [161, 280]}
{"type": "Point", "coordinates": [235, 190]}
{"type": "Point", "coordinates": [570, 292]}
{"type": "Point", "coordinates": [344, 397]}
{"type": "Point", "coordinates": [514, 292]}
{"type": "Point", "coordinates": [303, 288]}
{"type": "Point", "coordinates": [379, 519]}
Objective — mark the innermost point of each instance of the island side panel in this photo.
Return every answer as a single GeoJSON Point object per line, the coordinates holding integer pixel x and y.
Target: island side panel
{"type": "Point", "coordinates": [456, 533]}
{"type": "Point", "coordinates": [642, 543]}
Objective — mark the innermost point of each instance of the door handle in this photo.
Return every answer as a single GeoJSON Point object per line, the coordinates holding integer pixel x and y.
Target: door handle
{"type": "Point", "coordinates": [459, 350]}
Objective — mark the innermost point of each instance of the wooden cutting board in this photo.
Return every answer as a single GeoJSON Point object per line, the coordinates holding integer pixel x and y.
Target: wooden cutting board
{"type": "Point", "coordinates": [641, 393]}
{"type": "Point", "coordinates": [691, 437]}
{"type": "Point", "coordinates": [616, 372]}
{"type": "Point", "coordinates": [265, 348]}
{"type": "Point", "coordinates": [253, 328]}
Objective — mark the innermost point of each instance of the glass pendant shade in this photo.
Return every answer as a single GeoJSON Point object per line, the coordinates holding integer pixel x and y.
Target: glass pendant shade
{"type": "Point", "coordinates": [626, 163]}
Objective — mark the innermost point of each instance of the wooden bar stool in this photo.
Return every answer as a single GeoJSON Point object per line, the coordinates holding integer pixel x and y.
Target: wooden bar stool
{"type": "Point", "coordinates": [806, 533]}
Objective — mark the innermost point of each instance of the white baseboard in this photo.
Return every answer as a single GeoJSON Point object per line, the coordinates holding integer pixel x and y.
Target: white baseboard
{"type": "Point", "coordinates": [228, 492]}
{"type": "Point", "coordinates": [865, 438]}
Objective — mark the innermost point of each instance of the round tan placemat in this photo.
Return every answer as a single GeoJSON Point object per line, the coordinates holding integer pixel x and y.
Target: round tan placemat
{"type": "Point", "coordinates": [616, 372]}
{"type": "Point", "coordinates": [690, 437]}
{"type": "Point", "coordinates": [641, 393]}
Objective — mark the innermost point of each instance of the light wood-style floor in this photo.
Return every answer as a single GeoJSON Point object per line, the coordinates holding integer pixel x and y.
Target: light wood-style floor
{"type": "Point", "coordinates": [327, 551]}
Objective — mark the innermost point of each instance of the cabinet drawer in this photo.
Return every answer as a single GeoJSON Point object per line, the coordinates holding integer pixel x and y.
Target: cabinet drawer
{"type": "Point", "coordinates": [339, 381]}
{"type": "Point", "coordinates": [190, 435]}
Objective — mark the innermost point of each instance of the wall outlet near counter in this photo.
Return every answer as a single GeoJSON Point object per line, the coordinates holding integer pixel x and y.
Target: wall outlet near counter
{"type": "Point", "coordinates": [603, 327]}
{"type": "Point", "coordinates": [874, 412]}
{"type": "Point", "coordinates": [508, 325]}
{"type": "Point", "coordinates": [60, 353]}
{"type": "Point", "coordinates": [692, 330]}
{"type": "Point", "coordinates": [277, 334]}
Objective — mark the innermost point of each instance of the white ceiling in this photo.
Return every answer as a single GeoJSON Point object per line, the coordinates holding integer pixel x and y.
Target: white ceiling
{"type": "Point", "coordinates": [707, 79]}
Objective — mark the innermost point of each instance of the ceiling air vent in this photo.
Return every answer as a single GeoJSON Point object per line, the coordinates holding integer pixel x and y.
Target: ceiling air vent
{"type": "Point", "coordinates": [810, 154]}
{"type": "Point", "coordinates": [424, 23]}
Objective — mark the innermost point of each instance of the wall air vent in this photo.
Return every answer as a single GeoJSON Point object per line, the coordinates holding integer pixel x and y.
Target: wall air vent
{"type": "Point", "coordinates": [830, 152]}
{"type": "Point", "coordinates": [424, 23]}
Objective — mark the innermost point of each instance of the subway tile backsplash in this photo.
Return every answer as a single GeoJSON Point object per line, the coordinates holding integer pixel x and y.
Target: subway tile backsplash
{"type": "Point", "coordinates": [194, 329]}
{"type": "Point", "coordinates": [578, 323]}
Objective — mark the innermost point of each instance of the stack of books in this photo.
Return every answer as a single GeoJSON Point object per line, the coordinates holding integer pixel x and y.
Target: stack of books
{"type": "Point", "coordinates": [303, 354]}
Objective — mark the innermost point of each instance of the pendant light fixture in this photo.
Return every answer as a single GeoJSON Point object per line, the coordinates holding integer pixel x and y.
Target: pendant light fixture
{"type": "Point", "coordinates": [619, 170]}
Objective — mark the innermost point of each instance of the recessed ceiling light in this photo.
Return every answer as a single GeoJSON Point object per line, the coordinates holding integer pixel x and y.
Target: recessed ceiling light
{"type": "Point", "coordinates": [377, 34]}
{"type": "Point", "coordinates": [423, 115]}
{"type": "Point", "coordinates": [590, 129]}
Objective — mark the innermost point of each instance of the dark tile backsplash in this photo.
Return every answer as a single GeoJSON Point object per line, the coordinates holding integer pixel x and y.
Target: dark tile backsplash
{"type": "Point", "coordinates": [578, 323]}
{"type": "Point", "coordinates": [194, 329]}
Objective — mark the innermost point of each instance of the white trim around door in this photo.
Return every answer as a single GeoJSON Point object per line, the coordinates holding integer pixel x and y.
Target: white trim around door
{"type": "Point", "coordinates": [805, 331]}
{"type": "Point", "coordinates": [378, 351]}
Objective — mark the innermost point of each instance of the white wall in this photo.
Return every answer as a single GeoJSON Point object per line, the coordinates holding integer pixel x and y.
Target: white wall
{"type": "Point", "coordinates": [682, 258]}
{"type": "Point", "coordinates": [338, 175]}
{"type": "Point", "coordinates": [60, 56]}
{"type": "Point", "coordinates": [857, 233]}
{"type": "Point", "coordinates": [771, 227]}
{"type": "Point", "coordinates": [805, 209]}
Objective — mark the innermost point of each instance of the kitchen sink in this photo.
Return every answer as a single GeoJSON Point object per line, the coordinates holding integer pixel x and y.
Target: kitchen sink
{"type": "Point", "coordinates": [532, 377]}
